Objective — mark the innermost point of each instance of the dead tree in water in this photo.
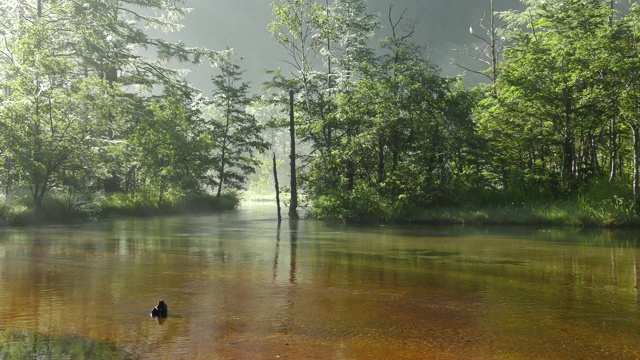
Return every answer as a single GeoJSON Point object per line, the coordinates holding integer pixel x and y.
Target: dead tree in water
{"type": "Point", "coordinates": [275, 178]}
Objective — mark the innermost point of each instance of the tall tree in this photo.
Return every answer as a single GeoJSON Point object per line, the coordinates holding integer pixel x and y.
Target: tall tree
{"type": "Point", "coordinates": [293, 202]}
{"type": "Point", "coordinates": [170, 145]}
{"type": "Point", "coordinates": [50, 115]}
{"type": "Point", "coordinates": [237, 134]}
{"type": "Point", "coordinates": [65, 66]}
{"type": "Point", "coordinates": [628, 66]}
{"type": "Point", "coordinates": [347, 31]}
{"type": "Point", "coordinates": [401, 125]}
{"type": "Point", "coordinates": [296, 27]}
{"type": "Point", "coordinates": [337, 33]}
{"type": "Point", "coordinates": [109, 35]}
{"type": "Point", "coordinates": [546, 95]}
{"type": "Point", "coordinates": [108, 38]}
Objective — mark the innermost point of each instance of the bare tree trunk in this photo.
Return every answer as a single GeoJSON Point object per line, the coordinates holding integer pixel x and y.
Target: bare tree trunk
{"type": "Point", "coordinates": [613, 154]}
{"type": "Point", "coordinates": [613, 134]}
{"type": "Point", "coordinates": [636, 167]}
{"type": "Point", "coordinates": [490, 43]}
{"type": "Point", "coordinates": [275, 178]}
{"type": "Point", "coordinates": [293, 204]}
{"type": "Point", "coordinates": [493, 45]}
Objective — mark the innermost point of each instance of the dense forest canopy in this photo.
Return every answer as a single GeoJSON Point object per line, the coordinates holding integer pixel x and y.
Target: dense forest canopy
{"type": "Point", "coordinates": [91, 115]}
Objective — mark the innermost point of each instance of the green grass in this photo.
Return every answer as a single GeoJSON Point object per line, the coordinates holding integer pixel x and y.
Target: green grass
{"type": "Point", "coordinates": [58, 208]}
{"type": "Point", "coordinates": [595, 209]}
{"type": "Point", "coordinates": [558, 214]}
{"type": "Point", "coordinates": [603, 210]}
{"type": "Point", "coordinates": [125, 204]}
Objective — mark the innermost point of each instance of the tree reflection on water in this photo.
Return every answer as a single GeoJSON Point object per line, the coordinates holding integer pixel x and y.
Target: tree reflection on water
{"type": "Point", "coordinates": [242, 286]}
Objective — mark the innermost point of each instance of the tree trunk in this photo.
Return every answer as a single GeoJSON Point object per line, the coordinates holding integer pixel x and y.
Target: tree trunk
{"type": "Point", "coordinates": [613, 154]}
{"type": "Point", "coordinates": [7, 166]}
{"type": "Point", "coordinates": [492, 38]}
{"type": "Point", "coordinates": [293, 204]}
{"type": "Point", "coordinates": [380, 161]}
{"type": "Point", "coordinates": [277, 184]}
{"type": "Point", "coordinates": [161, 190]}
{"type": "Point", "coordinates": [568, 148]}
{"type": "Point", "coordinates": [223, 155]}
{"type": "Point", "coordinates": [636, 166]}
{"type": "Point", "coordinates": [221, 176]}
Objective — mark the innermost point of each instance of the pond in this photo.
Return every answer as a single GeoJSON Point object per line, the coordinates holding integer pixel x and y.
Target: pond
{"type": "Point", "coordinates": [240, 286]}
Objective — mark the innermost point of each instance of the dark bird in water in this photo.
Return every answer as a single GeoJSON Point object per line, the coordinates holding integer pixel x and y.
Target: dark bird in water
{"type": "Point", "coordinates": [160, 311]}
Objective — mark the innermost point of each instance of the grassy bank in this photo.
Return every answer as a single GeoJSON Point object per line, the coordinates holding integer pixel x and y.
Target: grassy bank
{"type": "Point", "coordinates": [593, 211]}
{"type": "Point", "coordinates": [559, 214]}
{"type": "Point", "coordinates": [62, 208]}
{"type": "Point", "coordinates": [580, 212]}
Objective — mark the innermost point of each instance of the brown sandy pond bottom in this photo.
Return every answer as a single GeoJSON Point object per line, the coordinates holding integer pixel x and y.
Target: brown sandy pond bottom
{"type": "Point", "coordinates": [238, 286]}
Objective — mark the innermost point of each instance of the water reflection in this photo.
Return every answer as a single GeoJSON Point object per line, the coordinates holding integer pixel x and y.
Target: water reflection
{"type": "Point", "coordinates": [277, 252]}
{"type": "Point", "coordinates": [242, 285]}
{"type": "Point", "coordinates": [293, 235]}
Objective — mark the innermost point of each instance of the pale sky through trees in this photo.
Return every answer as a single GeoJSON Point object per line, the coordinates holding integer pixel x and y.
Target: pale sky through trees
{"type": "Point", "coordinates": [242, 25]}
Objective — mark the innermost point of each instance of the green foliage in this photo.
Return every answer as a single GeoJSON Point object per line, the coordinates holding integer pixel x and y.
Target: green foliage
{"type": "Point", "coordinates": [81, 112]}
{"type": "Point", "coordinates": [363, 204]}
{"type": "Point", "coordinates": [237, 134]}
{"type": "Point", "coordinates": [545, 112]}
{"type": "Point", "coordinates": [398, 141]}
{"type": "Point", "coordinates": [130, 204]}
{"type": "Point", "coordinates": [555, 121]}
{"type": "Point", "coordinates": [58, 206]}
{"type": "Point", "coordinates": [608, 203]}
{"type": "Point", "coordinates": [15, 215]}
{"type": "Point", "coordinates": [145, 204]}
{"type": "Point", "coordinates": [88, 127]}
{"type": "Point", "coordinates": [171, 147]}
{"type": "Point", "coordinates": [405, 144]}
{"type": "Point", "coordinates": [205, 202]}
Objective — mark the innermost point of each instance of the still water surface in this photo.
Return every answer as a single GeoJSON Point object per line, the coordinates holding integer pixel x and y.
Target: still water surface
{"type": "Point", "coordinates": [239, 286]}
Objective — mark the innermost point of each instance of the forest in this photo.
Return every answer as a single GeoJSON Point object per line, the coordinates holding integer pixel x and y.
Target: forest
{"type": "Point", "coordinates": [94, 121]}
